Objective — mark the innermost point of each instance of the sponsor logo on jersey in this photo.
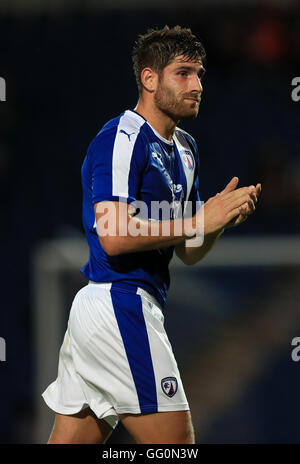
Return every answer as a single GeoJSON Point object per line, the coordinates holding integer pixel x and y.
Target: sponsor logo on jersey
{"type": "Point", "coordinates": [188, 159]}
{"type": "Point", "coordinates": [177, 188]}
{"type": "Point", "coordinates": [169, 386]}
{"type": "Point", "coordinates": [128, 135]}
{"type": "Point", "coordinates": [158, 157]}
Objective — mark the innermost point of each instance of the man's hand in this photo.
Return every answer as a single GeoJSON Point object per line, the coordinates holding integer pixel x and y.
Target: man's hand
{"type": "Point", "coordinates": [247, 208]}
{"type": "Point", "coordinates": [229, 207]}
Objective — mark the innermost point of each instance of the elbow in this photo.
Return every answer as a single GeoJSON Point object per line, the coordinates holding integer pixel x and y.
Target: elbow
{"type": "Point", "coordinates": [110, 246]}
{"type": "Point", "coordinates": [189, 262]}
{"type": "Point", "coordinates": [193, 259]}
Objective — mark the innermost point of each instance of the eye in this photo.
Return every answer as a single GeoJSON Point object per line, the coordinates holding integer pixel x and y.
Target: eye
{"type": "Point", "coordinates": [182, 73]}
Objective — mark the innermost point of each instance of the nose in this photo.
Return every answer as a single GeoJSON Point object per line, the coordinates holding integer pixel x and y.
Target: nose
{"type": "Point", "coordinates": [196, 85]}
{"type": "Point", "coordinates": [200, 88]}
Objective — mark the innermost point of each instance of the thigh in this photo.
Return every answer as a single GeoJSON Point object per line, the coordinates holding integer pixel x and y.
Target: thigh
{"type": "Point", "coordinates": [171, 427]}
{"type": "Point", "coordinates": [80, 428]}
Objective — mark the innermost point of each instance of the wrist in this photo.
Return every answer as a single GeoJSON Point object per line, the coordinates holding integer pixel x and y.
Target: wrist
{"type": "Point", "coordinates": [189, 227]}
{"type": "Point", "coordinates": [220, 231]}
{"type": "Point", "coordinates": [212, 236]}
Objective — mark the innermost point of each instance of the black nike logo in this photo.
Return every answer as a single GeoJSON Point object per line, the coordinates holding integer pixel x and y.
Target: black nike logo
{"type": "Point", "coordinates": [128, 135]}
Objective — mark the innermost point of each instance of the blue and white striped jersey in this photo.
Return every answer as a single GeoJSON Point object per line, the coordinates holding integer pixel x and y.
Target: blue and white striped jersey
{"type": "Point", "coordinates": [129, 161]}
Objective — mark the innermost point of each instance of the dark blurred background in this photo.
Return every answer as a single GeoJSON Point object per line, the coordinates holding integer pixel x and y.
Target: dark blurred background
{"type": "Point", "coordinates": [67, 67]}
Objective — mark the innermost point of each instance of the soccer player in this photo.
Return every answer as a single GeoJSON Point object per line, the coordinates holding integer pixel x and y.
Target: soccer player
{"type": "Point", "coordinates": [116, 362]}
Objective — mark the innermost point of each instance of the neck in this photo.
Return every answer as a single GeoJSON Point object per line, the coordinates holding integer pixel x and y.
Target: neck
{"type": "Point", "coordinates": [160, 121]}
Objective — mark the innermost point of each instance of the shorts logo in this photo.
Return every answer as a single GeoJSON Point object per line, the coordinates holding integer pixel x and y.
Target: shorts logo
{"type": "Point", "coordinates": [169, 386]}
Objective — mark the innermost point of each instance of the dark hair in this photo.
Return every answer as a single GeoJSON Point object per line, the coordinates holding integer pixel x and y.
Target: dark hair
{"type": "Point", "coordinates": [158, 47]}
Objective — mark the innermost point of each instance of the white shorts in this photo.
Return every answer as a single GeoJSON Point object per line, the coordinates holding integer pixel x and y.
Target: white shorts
{"type": "Point", "coordinates": [116, 357]}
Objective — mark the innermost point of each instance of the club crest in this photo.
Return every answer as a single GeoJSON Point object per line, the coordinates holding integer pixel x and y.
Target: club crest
{"type": "Point", "coordinates": [187, 159]}
{"type": "Point", "coordinates": [169, 386]}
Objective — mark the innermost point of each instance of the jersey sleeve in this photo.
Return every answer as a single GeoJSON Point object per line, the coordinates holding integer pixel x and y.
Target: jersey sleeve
{"type": "Point", "coordinates": [117, 164]}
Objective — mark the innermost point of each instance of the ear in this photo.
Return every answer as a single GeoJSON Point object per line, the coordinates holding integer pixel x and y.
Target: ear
{"type": "Point", "coordinates": [149, 79]}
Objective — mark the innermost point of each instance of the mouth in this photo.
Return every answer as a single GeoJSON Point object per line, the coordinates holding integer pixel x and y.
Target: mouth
{"type": "Point", "coordinates": [193, 99]}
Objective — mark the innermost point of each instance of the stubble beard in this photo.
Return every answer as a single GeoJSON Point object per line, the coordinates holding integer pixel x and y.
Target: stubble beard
{"type": "Point", "coordinates": [172, 105]}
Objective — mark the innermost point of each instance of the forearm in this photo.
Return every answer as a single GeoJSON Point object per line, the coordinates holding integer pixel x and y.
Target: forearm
{"type": "Point", "coordinates": [147, 236]}
{"type": "Point", "coordinates": [127, 233]}
{"type": "Point", "coordinates": [191, 255]}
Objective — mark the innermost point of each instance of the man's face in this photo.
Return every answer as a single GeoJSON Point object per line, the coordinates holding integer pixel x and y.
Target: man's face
{"type": "Point", "coordinates": [179, 89]}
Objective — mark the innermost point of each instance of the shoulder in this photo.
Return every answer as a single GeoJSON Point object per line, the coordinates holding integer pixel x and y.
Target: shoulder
{"type": "Point", "coordinates": [187, 146]}
{"type": "Point", "coordinates": [120, 140]}
{"type": "Point", "coordinates": [131, 121]}
{"type": "Point", "coordinates": [184, 137]}
{"type": "Point", "coordinates": [105, 136]}
{"type": "Point", "coordinates": [124, 129]}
